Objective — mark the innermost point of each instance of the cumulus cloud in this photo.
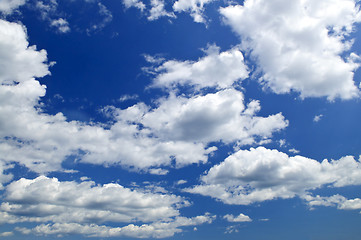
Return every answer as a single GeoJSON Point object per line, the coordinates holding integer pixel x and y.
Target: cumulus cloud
{"type": "Point", "coordinates": [194, 7]}
{"type": "Point", "coordinates": [8, 6]}
{"type": "Point", "coordinates": [158, 10]}
{"type": "Point", "coordinates": [61, 24]}
{"type": "Point", "coordinates": [260, 174]}
{"type": "Point", "coordinates": [48, 199]}
{"type": "Point", "coordinates": [216, 69]}
{"type": "Point", "coordinates": [71, 207]}
{"type": "Point", "coordinates": [240, 218]}
{"type": "Point", "coordinates": [333, 201]}
{"type": "Point", "coordinates": [154, 230]}
{"type": "Point", "coordinates": [134, 3]}
{"type": "Point", "coordinates": [298, 45]}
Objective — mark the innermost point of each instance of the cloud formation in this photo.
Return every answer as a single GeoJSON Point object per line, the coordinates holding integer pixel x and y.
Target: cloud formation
{"type": "Point", "coordinates": [73, 207]}
{"type": "Point", "coordinates": [141, 138]}
{"type": "Point", "coordinates": [260, 174]}
{"type": "Point", "coordinates": [299, 45]}
{"type": "Point", "coordinates": [216, 69]}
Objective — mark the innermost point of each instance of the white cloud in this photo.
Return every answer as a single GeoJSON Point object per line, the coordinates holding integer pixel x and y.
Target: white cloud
{"type": "Point", "coordinates": [195, 7]}
{"type": "Point", "coordinates": [216, 69]}
{"type": "Point", "coordinates": [18, 60]}
{"type": "Point", "coordinates": [293, 150]}
{"type": "Point", "coordinates": [8, 6]}
{"type": "Point", "coordinates": [134, 3]}
{"type": "Point", "coordinates": [47, 199]}
{"type": "Point", "coordinates": [154, 230]}
{"type": "Point", "coordinates": [220, 116]}
{"type": "Point", "coordinates": [158, 10]}
{"type": "Point", "coordinates": [240, 218]}
{"type": "Point", "coordinates": [298, 44]}
{"type": "Point", "coordinates": [261, 174]}
{"type": "Point", "coordinates": [61, 24]}
{"type": "Point", "coordinates": [334, 201]}
{"type": "Point", "coordinates": [76, 208]}
{"type": "Point", "coordinates": [6, 234]}
{"type": "Point", "coordinates": [317, 118]}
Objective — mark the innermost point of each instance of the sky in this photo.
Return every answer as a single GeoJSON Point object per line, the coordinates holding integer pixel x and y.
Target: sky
{"type": "Point", "coordinates": [183, 119]}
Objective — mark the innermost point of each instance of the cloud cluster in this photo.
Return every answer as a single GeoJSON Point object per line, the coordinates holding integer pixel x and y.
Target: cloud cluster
{"type": "Point", "coordinates": [72, 207]}
{"type": "Point", "coordinates": [154, 230]}
{"type": "Point", "coordinates": [300, 45]}
{"type": "Point", "coordinates": [142, 138]}
{"type": "Point", "coordinates": [157, 8]}
{"type": "Point", "coordinates": [260, 174]}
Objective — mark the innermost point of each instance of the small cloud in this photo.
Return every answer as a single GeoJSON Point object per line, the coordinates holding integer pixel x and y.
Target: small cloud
{"type": "Point", "coordinates": [6, 234]}
{"type": "Point", "coordinates": [231, 229]}
{"type": "Point", "coordinates": [180, 182]}
{"type": "Point", "coordinates": [317, 118]}
{"type": "Point", "coordinates": [61, 24]}
{"type": "Point", "coordinates": [264, 220]}
{"type": "Point", "coordinates": [240, 218]}
{"type": "Point", "coordinates": [282, 142]}
{"type": "Point", "coordinates": [195, 229]}
{"type": "Point", "coordinates": [84, 178]}
{"type": "Point", "coordinates": [158, 171]}
{"type": "Point", "coordinates": [295, 151]}
{"type": "Point", "coordinates": [128, 97]}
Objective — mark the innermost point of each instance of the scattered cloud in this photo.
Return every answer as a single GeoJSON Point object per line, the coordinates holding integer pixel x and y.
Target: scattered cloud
{"type": "Point", "coordinates": [61, 24]}
{"type": "Point", "coordinates": [298, 44]}
{"type": "Point", "coordinates": [158, 10]}
{"type": "Point", "coordinates": [261, 174]}
{"type": "Point", "coordinates": [195, 7]}
{"type": "Point", "coordinates": [317, 118]}
{"type": "Point", "coordinates": [293, 150]}
{"type": "Point", "coordinates": [240, 218]}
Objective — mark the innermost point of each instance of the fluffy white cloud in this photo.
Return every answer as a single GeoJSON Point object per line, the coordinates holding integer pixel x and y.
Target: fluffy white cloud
{"type": "Point", "coordinates": [48, 199]}
{"type": "Point", "coordinates": [220, 116]}
{"type": "Point", "coordinates": [61, 24]}
{"type": "Point", "coordinates": [298, 44]}
{"type": "Point", "coordinates": [334, 201]}
{"type": "Point", "coordinates": [216, 69]}
{"type": "Point", "coordinates": [18, 60]}
{"type": "Point", "coordinates": [134, 3]}
{"type": "Point", "coordinates": [195, 7]}
{"type": "Point", "coordinates": [261, 174]}
{"type": "Point", "coordinates": [158, 10]}
{"type": "Point", "coordinates": [240, 218]}
{"type": "Point", "coordinates": [154, 230]}
{"type": "Point", "coordinates": [8, 6]}
{"type": "Point", "coordinates": [71, 207]}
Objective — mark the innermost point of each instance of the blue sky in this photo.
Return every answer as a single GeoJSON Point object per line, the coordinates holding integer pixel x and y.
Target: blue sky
{"type": "Point", "coordinates": [184, 119]}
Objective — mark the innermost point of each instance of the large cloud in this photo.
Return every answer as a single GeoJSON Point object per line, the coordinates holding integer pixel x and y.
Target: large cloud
{"type": "Point", "coordinates": [298, 44]}
{"type": "Point", "coordinates": [261, 174]}
{"type": "Point", "coordinates": [70, 204]}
